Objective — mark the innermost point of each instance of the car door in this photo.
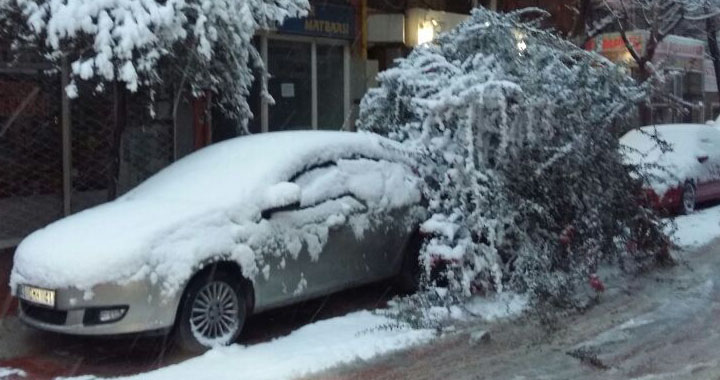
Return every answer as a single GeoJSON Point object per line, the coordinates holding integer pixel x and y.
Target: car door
{"type": "Point", "coordinates": [390, 191]}
{"type": "Point", "coordinates": [312, 252]}
{"type": "Point", "coordinates": [341, 231]}
{"type": "Point", "coordinates": [710, 157]}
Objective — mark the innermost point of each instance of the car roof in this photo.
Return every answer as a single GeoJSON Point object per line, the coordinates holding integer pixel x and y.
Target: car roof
{"type": "Point", "coordinates": [675, 128]}
{"type": "Point", "coordinates": [235, 170]}
{"type": "Point", "coordinates": [682, 136]}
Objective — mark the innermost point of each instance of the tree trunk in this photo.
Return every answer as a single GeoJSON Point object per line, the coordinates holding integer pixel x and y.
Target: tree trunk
{"type": "Point", "coordinates": [578, 33]}
{"type": "Point", "coordinates": [645, 74]}
{"type": "Point", "coordinates": [711, 28]}
{"type": "Point", "coordinates": [120, 118]}
{"type": "Point", "coordinates": [644, 109]}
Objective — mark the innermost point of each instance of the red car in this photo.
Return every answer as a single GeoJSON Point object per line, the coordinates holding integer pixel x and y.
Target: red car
{"type": "Point", "coordinates": [682, 161]}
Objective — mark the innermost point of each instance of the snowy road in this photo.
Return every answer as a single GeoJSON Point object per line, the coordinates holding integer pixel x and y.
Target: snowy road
{"type": "Point", "coordinates": [663, 325]}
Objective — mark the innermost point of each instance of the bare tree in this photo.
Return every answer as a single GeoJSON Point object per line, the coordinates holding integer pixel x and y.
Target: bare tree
{"type": "Point", "coordinates": [586, 25]}
{"type": "Point", "coordinates": [711, 30]}
{"type": "Point", "coordinates": [659, 18]}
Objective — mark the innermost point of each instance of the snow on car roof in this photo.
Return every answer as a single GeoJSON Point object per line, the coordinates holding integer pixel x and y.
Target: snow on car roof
{"type": "Point", "coordinates": [676, 161]}
{"type": "Point", "coordinates": [680, 134]}
{"type": "Point", "coordinates": [235, 170]}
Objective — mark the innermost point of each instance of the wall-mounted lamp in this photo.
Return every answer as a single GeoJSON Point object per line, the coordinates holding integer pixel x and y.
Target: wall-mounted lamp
{"type": "Point", "coordinates": [422, 26]}
{"type": "Point", "coordinates": [426, 31]}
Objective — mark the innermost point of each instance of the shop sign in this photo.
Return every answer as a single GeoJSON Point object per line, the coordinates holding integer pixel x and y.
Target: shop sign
{"type": "Point", "coordinates": [681, 53]}
{"type": "Point", "coordinates": [684, 47]}
{"type": "Point", "coordinates": [613, 42]}
{"type": "Point", "coordinates": [332, 21]}
{"type": "Point", "coordinates": [674, 52]}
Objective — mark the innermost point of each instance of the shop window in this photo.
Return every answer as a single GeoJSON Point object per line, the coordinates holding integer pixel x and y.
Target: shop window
{"type": "Point", "coordinates": [693, 86]}
{"type": "Point", "coordinates": [662, 114]}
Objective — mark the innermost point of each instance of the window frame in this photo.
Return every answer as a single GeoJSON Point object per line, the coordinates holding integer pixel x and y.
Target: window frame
{"type": "Point", "coordinates": [313, 41]}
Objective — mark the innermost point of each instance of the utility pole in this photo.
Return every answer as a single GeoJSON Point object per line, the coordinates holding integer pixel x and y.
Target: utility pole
{"type": "Point", "coordinates": [66, 137]}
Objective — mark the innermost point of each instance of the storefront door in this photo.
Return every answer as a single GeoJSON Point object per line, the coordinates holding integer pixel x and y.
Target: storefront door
{"type": "Point", "coordinates": [290, 85]}
{"type": "Point", "coordinates": [309, 82]}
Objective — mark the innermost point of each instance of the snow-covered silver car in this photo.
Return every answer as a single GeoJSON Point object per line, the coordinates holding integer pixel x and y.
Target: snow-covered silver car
{"type": "Point", "coordinates": [242, 226]}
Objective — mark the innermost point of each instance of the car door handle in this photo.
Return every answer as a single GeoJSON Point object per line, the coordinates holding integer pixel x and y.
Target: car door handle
{"type": "Point", "coordinates": [702, 159]}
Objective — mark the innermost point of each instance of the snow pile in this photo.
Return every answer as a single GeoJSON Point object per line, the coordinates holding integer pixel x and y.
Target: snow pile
{"type": "Point", "coordinates": [209, 204]}
{"type": "Point", "coordinates": [312, 348]}
{"type": "Point", "coordinates": [670, 153]}
{"type": "Point", "coordinates": [697, 229]}
{"type": "Point", "coordinates": [499, 306]}
{"type": "Point", "coordinates": [201, 44]}
{"type": "Point", "coordinates": [525, 184]}
{"type": "Point", "coordinates": [7, 372]}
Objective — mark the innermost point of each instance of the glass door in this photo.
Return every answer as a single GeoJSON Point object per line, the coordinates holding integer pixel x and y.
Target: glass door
{"type": "Point", "coordinates": [330, 85]}
{"type": "Point", "coordinates": [290, 84]}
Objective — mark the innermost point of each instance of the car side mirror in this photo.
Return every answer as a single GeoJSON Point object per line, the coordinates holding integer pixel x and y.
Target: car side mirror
{"type": "Point", "coordinates": [283, 196]}
{"type": "Point", "coordinates": [268, 213]}
{"type": "Point", "coordinates": [702, 159]}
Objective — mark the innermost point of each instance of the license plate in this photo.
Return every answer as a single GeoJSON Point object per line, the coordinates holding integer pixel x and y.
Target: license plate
{"type": "Point", "coordinates": [38, 295]}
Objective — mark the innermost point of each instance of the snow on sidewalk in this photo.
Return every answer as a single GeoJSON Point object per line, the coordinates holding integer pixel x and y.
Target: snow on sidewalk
{"type": "Point", "coordinates": [310, 349]}
{"type": "Point", "coordinates": [7, 372]}
{"type": "Point", "coordinates": [697, 229]}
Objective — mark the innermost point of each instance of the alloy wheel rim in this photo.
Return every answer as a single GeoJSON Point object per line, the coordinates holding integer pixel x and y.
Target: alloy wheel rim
{"type": "Point", "coordinates": [215, 311]}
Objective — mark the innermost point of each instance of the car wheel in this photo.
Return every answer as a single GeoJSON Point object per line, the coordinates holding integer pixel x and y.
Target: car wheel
{"type": "Point", "coordinates": [212, 312]}
{"type": "Point", "coordinates": [688, 199]}
{"type": "Point", "coordinates": [408, 280]}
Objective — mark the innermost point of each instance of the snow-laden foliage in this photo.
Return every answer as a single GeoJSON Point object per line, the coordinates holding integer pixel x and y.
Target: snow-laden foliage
{"type": "Point", "coordinates": [198, 44]}
{"type": "Point", "coordinates": [524, 180]}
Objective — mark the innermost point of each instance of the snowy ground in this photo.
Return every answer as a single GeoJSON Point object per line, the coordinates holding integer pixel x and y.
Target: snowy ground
{"type": "Point", "coordinates": [312, 348]}
{"type": "Point", "coordinates": [634, 331]}
{"type": "Point", "coordinates": [698, 229]}
{"type": "Point", "coordinates": [355, 337]}
{"type": "Point", "coordinates": [662, 325]}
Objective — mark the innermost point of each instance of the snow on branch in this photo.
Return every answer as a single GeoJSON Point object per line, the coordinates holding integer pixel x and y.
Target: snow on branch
{"type": "Point", "coordinates": [518, 147]}
{"type": "Point", "coordinates": [143, 42]}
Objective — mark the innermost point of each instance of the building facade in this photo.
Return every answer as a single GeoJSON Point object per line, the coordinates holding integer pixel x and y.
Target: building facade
{"type": "Point", "coordinates": [59, 156]}
{"type": "Point", "coordinates": [682, 57]}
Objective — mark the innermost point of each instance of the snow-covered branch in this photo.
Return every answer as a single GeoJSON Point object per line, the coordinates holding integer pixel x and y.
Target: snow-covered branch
{"type": "Point", "coordinates": [519, 146]}
{"type": "Point", "coordinates": [144, 42]}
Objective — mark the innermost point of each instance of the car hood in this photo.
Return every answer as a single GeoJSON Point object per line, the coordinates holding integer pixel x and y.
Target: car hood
{"type": "Point", "coordinates": [115, 242]}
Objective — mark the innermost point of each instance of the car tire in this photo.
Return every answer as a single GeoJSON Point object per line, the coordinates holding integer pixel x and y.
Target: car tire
{"type": "Point", "coordinates": [688, 200]}
{"type": "Point", "coordinates": [408, 280]}
{"type": "Point", "coordinates": [212, 311]}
